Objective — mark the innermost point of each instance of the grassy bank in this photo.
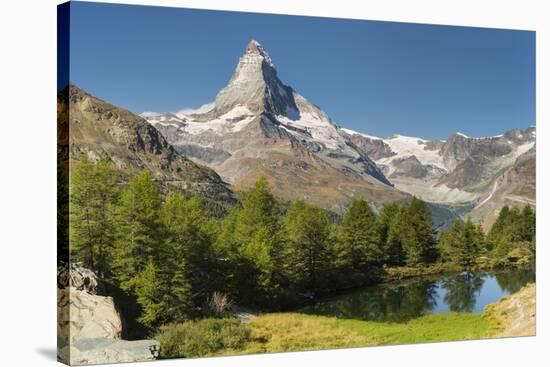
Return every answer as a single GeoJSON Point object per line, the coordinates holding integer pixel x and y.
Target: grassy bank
{"type": "Point", "coordinates": [293, 332]}
{"type": "Point", "coordinates": [284, 332]}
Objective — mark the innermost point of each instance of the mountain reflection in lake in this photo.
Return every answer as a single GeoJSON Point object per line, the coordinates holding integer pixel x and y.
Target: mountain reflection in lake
{"type": "Point", "coordinates": [399, 302]}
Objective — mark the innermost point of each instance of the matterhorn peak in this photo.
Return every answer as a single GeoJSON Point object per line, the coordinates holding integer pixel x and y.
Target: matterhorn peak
{"type": "Point", "coordinates": [255, 48]}
{"type": "Point", "coordinates": [255, 85]}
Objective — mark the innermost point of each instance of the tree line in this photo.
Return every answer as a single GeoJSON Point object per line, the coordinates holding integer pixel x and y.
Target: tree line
{"type": "Point", "coordinates": [511, 239]}
{"type": "Point", "coordinates": [173, 254]}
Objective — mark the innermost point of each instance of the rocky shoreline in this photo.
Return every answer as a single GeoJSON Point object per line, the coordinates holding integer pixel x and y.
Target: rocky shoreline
{"type": "Point", "coordinates": [515, 314]}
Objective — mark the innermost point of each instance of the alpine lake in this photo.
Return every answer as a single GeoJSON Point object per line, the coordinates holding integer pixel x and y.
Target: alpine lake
{"type": "Point", "coordinates": [406, 300]}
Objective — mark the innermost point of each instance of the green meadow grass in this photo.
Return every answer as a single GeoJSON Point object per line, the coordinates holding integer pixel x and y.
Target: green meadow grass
{"type": "Point", "coordinates": [282, 332]}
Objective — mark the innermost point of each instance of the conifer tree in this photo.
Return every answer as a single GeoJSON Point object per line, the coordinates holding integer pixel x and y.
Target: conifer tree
{"type": "Point", "coordinates": [306, 254]}
{"type": "Point", "coordinates": [500, 226]}
{"type": "Point", "coordinates": [421, 249]}
{"type": "Point", "coordinates": [187, 255]}
{"type": "Point", "coordinates": [528, 224]}
{"type": "Point", "coordinates": [469, 245]}
{"type": "Point", "coordinates": [93, 196]}
{"type": "Point", "coordinates": [513, 229]}
{"type": "Point", "coordinates": [388, 223]}
{"type": "Point", "coordinates": [151, 292]}
{"type": "Point", "coordinates": [138, 234]}
{"type": "Point", "coordinates": [359, 239]}
{"type": "Point", "coordinates": [449, 241]}
{"type": "Point", "coordinates": [253, 232]}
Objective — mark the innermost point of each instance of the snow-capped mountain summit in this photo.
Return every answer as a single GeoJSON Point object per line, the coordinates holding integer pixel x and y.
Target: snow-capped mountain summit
{"type": "Point", "coordinates": [256, 86]}
{"type": "Point", "coordinates": [457, 170]}
{"type": "Point", "coordinates": [260, 126]}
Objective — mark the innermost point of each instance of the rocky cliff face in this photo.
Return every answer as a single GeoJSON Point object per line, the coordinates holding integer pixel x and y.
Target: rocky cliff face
{"type": "Point", "coordinates": [97, 128]}
{"type": "Point", "coordinates": [260, 126]}
{"type": "Point", "coordinates": [516, 186]}
{"type": "Point", "coordinates": [89, 326]}
{"type": "Point", "coordinates": [460, 170]}
{"type": "Point", "coordinates": [255, 85]}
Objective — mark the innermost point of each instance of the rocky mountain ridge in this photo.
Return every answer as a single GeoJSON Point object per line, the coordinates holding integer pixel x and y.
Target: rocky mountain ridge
{"type": "Point", "coordinates": [97, 128]}
{"type": "Point", "coordinates": [260, 126]}
{"type": "Point", "coordinates": [459, 163]}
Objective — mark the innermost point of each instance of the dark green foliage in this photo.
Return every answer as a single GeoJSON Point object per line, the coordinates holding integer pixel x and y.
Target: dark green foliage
{"type": "Point", "coordinates": [470, 243]}
{"type": "Point", "coordinates": [93, 196]}
{"type": "Point", "coordinates": [306, 252]}
{"type": "Point", "coordinates": [201, 338]}
{"type": "Point", "coordinates": [389, 231]}
{"type": "Point", "coordinates": [359, 246]}
{"type": "Point", "coordinates": [419, 244]}
{"type": "Point", "coordinates": [187, 256]}
{"type": "Point", "coordinates": [462, 244]}
{"type": "Point", "coordinates": [251, 240]}
{"type": "Point", "coordinates": [137, 223]}
{"type": "Point", "coordinates": [510, 240]}
{"type": "Point", "coordinates": [150, 291]}
{"type": "Point", "coordinates": [449, 241]}
{"type": "Point", "coordinates": [173, 259]}
{"type": "Point", "coordinates": [512, 237]}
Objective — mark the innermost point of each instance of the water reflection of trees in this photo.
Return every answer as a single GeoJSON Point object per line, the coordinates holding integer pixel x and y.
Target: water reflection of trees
{"type": "Point", "coordinates": [394, 304]}
{"type": "Point", "coordinates": [410, 300]}
{"type": "Point", "coordinates": [513, 281]}
{"type": "Point", "coordinates": [462, 291]}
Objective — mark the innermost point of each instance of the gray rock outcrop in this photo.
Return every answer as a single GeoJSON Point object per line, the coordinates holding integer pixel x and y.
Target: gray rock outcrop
{"type": "Point", "coordinates": [89, 327]}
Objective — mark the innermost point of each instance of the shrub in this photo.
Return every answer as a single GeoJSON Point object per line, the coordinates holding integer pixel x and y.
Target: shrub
{"type": "Point", "coordinates": [202, 337]}
{"type": "Point", "coordinates": [218, 305]}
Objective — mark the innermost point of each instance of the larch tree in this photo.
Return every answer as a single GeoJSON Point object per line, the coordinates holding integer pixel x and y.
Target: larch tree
{"type": "Point", "coordinates": [306, 254]}
{"type": "Point", "coordinates": [359, 239]}
{"type": "Point", "coordinates": [93, 195]}
{"type": "Point", "coordinates": [138, 229]}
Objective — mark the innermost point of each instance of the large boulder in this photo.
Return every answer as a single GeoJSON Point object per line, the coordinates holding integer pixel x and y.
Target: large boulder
{"type": "Point", "coordinates": [89, 326]}
{"type": "Point", "coordinates": [85, 315]}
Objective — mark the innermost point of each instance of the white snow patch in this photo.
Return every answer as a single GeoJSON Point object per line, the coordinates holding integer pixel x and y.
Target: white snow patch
{"type": "Point", "coordinates": [263, 52]}
{"type": "Point", "coordinates": [352, 132]}
{"type": "Point", "coordinates": [523, 148]}
{"type": "Point", "coordinates": [490, 195]}
{"type": "Point", "coordinates": [190, 111]}
{"type": "Point", "coordinates": [167, 119]}
{"type": "Point", "coordinates": [222, 124]}
{"type": "Point", "coordinates": [406, 146]}
{"type": "Point", "coordinates": [148, 114]}
{"type": "Point", "coordinates": [321, 130]}
{"type": "Point", "coordinates": [165, 123]}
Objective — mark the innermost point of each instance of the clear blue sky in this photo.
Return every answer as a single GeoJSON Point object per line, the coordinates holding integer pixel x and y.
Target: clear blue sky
{"type": "Point", "coordinates": [376, 77]}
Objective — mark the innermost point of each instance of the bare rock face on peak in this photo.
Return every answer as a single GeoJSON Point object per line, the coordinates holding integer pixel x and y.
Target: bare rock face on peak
{"type": "Point", "coordinates": [515, 186]}
{"type": "Point", "coordinates": [255, 85]}
{"type": "Point", "coordinates": [260, 126]}
{"type": "Point", "coordinates": [97, 128]}
{"type": "Point", "coordinates": [482, 173]}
